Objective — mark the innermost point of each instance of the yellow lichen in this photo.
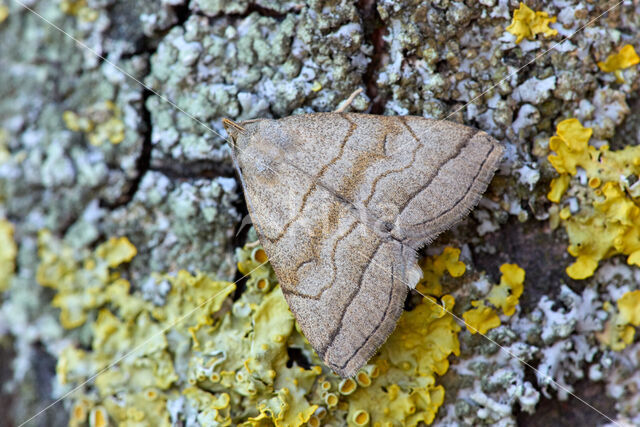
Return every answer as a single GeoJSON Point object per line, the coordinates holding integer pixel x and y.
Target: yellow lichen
{"type": "Point", "coordinates": [116, 251]}
{"type": "Point", "coordinates": [127, 328]}
{"type": "Point", "coordinates": [629, 307]}
{"type": "Point", "coordinates": [506, 296]}
{"type": "Point", "coordinates": [433, 269]}
{"type": "Point", "coordinates": [4, 151]}
{"type": "Point", "coordinates": [507, 293]}
{"type": "Point", "coordinates": [230, 362]}
{"type": "Point", "coordinates": [616, 62]}
{"type": "Point", "coordinates": [608, 222]}
{"type": "Point", "coordinates": [7, 254]}
{"type": "Point", "coordinates": [101, 123]}
{"type": "Point", "coordinates": [481, 318]}
{"type": "Point", "coordinates": [571, 145]}
{"type": "Point", "coordinates": [80, 9]}
{"type": "Point", "coordinates": [527, 23]}
{"type": "Point", "coordinates": [619, 330]}
{"type": "Point", "coordinates": [4, 12]}
{"type": "Point", "coordinates": [98, 417]}
{"type": "Point", "coordinates": [251, 260]}
{"type": "Point", "coordinates": [82, 283]}
{"type": "Point", "coordinates": [405, 392]}
{"type": "Point", "coordinates": [557, 188]}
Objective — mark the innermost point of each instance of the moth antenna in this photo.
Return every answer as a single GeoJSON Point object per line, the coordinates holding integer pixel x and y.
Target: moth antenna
{"type": "Point", "coordinates": [343, 106]}
{"type": "Point", "coordinates": [230, 123]}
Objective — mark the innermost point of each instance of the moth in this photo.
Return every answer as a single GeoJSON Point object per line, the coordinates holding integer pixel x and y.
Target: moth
{"type": "Point", "coordinates": [342, 202]}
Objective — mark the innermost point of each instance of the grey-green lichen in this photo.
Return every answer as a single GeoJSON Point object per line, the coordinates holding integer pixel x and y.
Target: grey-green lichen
{"type": "Point", "coordinates": [165, 181]}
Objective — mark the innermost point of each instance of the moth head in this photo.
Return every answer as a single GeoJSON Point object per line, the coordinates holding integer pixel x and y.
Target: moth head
{"type": "Point", "coordinates": [259, 145]}
{"type": "Point", "coordinates": [233, 129]}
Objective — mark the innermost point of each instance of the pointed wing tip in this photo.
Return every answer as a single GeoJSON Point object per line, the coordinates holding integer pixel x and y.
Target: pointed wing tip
{"type": "Point", "coordinates": [350, 371]}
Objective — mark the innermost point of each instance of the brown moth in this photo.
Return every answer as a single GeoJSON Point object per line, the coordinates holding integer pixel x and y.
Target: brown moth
{"type": "Point", "coordinates": [341, 203]}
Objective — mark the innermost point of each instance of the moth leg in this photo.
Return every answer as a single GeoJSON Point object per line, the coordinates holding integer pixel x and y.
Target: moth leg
{"type": "Point", "coordinates": [343, 106]}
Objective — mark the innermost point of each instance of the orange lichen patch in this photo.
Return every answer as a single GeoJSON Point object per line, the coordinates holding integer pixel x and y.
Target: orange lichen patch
{"type": "Point", "coordinates": [616, 62]}
{"type": "Point", "coordinates": [347, 386]}
{"type": "Point", "coordinates": [79, 413]}
{"type": "Point", "coordinates": [527, 23]}
{"type": "Point", "coordinates": [433, 269]}
{"type": "Point", "coordinates": [8, 252]}
{"type": "Point", "coordinates": [507, 294]}
{"type": "Point", "coordinates": [363, 379]}
{"type": "Point", "coordinates": [259, 255]}
{"type": "Point", "coordinates": [251, 261]}
{"type": "Point", "coordinates": [608, 222]}
{"type": "Point", "coordinates": [314, 421]}
{"type": "Point", "coordinates": [481, 318]}
{"type": "Point", "coordinates": [360, 418]}
{"type": "Point", "coordinates": [99, 417]}
{"type": "Point", "coordinates": [331, 400]}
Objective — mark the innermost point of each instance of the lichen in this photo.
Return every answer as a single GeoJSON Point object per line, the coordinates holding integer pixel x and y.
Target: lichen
{"type": "Point", "coordinates": [126, 328]}
{"type": "Point", "coordinates": [607, 222]}
{"type": "Point", "coordinates": [215, 361]}
{"type": "Point", "coordinates": [527, 23]}
{"type": "Point", "coordinates": [80, 9]}
{"type": "Point", "coordinates": [404, 391]}
{"type": "Point", "coordinates": [82, 283]}
{"type": "Point", "coordinates": [504, 296]}
{"type": "Point", "coordinates": [102, 122]}
{"type": "Point", "coordinates": [7, 254]}
{"type": "Point", "coordinates": [481, 318]}
{"type": "Point", "coordinates": [616, 62]}
{"type": "Point", "coordinates": [619, 330]}
{"type": "Point", "coordinates": [433, 268]}
{"type": "Point", "coordinates": [4, 12]}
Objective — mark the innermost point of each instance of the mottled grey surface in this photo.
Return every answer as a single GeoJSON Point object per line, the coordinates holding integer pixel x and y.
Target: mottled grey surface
{"type": "Point", "coordinates": [168, 185]}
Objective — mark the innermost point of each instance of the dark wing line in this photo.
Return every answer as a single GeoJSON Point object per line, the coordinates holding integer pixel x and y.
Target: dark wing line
{"type": "Point", "coordinates": [466, 193]}
{"type": "Point", "coordinates": [314, 184]}
{"type": "Point", "coordinates": [384, 316]}
{"type": "Point", "coordinates": [333, 265]}
{"type": "Point", "coordinates": [392, 171]}
{"type": "Point", "coordinates": [437, 170]}
{"type": "Point", "coordinates": [353, 294]}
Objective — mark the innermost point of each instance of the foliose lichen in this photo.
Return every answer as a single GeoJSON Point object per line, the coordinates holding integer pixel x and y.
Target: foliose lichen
{"type": "Point", "coordinates": [599, 212]}
{"type": "Point", "coordinates": [527, 23]}
{"type": "Point", "coordinates": [7, 253]}
{"type": "Point", "coordinates": [240, 362]}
